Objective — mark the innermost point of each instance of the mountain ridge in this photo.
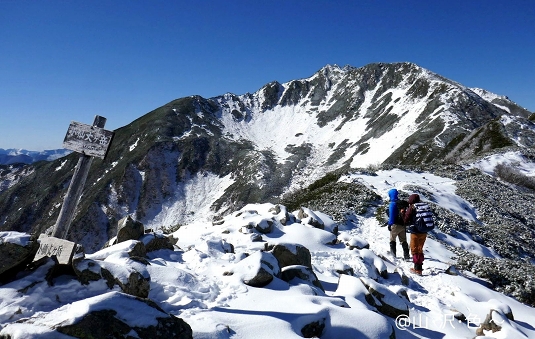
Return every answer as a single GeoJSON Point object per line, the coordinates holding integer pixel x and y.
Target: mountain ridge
{"type": "Point", "coordinates": [260, 146]}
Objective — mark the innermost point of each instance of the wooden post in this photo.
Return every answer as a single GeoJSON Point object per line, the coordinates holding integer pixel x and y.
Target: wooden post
{"type": "Point", "coordinates": [74, 192]}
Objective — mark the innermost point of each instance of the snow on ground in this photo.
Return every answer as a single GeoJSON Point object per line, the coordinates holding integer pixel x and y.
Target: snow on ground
{"type": "Point", "coordinates": [514, 159]}
{"type": "Point", "coordinates": [203, 282]}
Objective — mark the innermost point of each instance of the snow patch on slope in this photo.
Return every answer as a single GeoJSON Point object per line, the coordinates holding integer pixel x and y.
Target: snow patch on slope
{"type": "Point", "coordinates": [513, 159]}
{"type": "Point", "coordinates": [192, 201]}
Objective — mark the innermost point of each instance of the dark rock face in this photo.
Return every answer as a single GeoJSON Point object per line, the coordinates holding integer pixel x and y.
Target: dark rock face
{"type": "Point", "coordinates": [128, 229]}
{"type": "Point", "coordinates": [16, 255]}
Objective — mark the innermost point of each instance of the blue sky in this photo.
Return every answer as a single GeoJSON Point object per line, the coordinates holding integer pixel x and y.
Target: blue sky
{"type": "Point", "coordinates": [63, 61]}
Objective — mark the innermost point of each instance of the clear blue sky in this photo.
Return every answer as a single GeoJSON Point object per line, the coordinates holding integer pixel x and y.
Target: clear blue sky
{"type": "Point", "coordinates": [72, 60]}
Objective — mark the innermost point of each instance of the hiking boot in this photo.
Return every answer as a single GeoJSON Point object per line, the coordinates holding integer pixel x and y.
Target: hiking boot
{"type": "Point", "coordinates": [417, 269]}
{"type": "Point", "coordinates": [393, 248]}
{"type": "Point", "coordinates": [414, 271]}
{"type": "Point", "coordinates": [406, 254]}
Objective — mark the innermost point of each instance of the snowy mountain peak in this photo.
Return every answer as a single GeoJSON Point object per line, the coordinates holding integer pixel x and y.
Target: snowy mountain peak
{"type": "Point", "coordinates": [299, 168]}
{"type": "Point", "coordinates": [264, 145]}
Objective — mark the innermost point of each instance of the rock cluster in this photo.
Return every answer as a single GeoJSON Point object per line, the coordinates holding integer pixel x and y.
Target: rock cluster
{"type": "Point", "coordinates": [122, 264]}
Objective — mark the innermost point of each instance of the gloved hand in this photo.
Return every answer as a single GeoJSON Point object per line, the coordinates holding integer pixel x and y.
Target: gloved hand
{"type": "Point", "coordinates": [390, 227]}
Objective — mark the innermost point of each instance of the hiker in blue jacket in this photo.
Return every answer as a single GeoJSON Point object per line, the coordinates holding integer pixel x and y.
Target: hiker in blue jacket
{"type": "Point", "coordinates": [396, 225]}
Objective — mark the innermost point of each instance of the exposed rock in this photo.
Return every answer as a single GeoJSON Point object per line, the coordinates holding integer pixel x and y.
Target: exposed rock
{"type": "Point", "coordinates": [215, 247]}
{"type": "Point", "coordinates": [113, 316]}
{"type": "Point", "coordinates": [459, 316]}
{"type": "Point", "coordinates": [265, 226]}
{"type": "Point", "coordinates": [128, 229]}
{"type": "Point", "coordinates": [275, 209]}
{"type": "Point", "coordinates": [374, 261]}
{"type": "Point", "coordinates": [87, 270]}
{"type": "Point", "coordinates": [452, 270]}
{"type": "Point", "coordinates": [255, 237]}
{"type": "Point", "coordinates": [258, 269]}
{"type": "Point", "coordinates": [404, 278]}
{"type": "Point", "coordinates": [16, 250]}
{"type": "Point", "coordinates": [310, 218]}
{"type": "Point", "coordinates": [218, 221]}
{"type": "Point", "coordinates": [260, 279]}
{"type": "Point", "coordinates": [290, 254]}
{"type": "Point", "coordinates": [386, 301]}
{"type": "Point", "coordinates": [342, 268]}
{"type": "Point", "coordinates": [282, 214]}
{"type": "Point", "coordinates": [488, 325]}
{"type": "Point", "coordinates": [357, 243]}
{"type": "Point", "coordinates": [302, 273]}
{"type": "Point", "coordinates": [313, 329]}
{"type": "Point", "coordinates": [158, 241]}
{"type": "Point", "coordinates": [131, 276]}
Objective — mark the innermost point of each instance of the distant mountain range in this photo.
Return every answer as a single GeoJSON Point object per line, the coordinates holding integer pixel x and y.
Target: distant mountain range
{"type": "Point", "coordinates": [22, 156]}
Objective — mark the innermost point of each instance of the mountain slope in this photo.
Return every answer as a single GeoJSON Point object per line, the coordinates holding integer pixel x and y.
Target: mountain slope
{"type": "Point", "coordinates": [355, 289]}
{"type": "Point", "coordinates": [197, 158]}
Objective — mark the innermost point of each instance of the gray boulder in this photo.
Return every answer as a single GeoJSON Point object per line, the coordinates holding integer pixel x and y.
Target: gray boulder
{"type": "Point", "coordinates": [157, 241]}
{"type": "Point", "coordinates": [301, 274]}
{"type": "Point", "coordinates": [357, 243]}
{"type": "Point", "coordinates": [16, 250]}
{"type": "Point", "coordinates": [282, 214]}
{"type": "Point", "coordinates": [258, 269]}
{"type": "Point", "coordinates": [130, 275]}
{"type": "Point", "coordinates": [264, 226]}
{"type": "Point", "coordinates": [386, 301]}
{"type": "Point", "coordinates": [306, 215]}
{"type": "Point", "coordinates": [129, 229]}
{"type": "Point", "coordinates": [290, 254]}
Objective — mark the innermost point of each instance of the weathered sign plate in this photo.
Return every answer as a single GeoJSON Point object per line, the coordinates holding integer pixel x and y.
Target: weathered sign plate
{"type": "Point", "coordinates": [89, 140]}
{"type": "Point", "coordinates": [63, 250]}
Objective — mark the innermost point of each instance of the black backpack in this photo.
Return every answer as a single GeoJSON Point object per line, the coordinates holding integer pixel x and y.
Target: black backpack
{"type": "Point", "coordinates": [424, 220]}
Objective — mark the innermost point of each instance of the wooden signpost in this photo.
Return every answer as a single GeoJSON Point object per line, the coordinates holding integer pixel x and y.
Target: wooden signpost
{"type": "Point", "coordinates": [90, 141]}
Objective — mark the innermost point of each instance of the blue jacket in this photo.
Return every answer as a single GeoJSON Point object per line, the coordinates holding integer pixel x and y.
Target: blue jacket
{"type": "Point", "coordinates": [392, 207]}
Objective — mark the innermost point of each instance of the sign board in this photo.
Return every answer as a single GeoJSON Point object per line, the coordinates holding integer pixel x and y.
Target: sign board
{"type": "Point", "coordinates": [63, 250]}
{"type": "Point", "coordinates": [89, 140]}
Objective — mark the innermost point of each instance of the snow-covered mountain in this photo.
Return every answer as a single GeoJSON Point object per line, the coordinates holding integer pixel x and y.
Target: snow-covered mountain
{"type": "Point", "coordinates": [329, 145]}
{"type": "Point", "coordinates": [258, 147]}
{"type": "Point", "coordinates": [232, 279]}
{"type": "Point", "coordinates": [16, 156]}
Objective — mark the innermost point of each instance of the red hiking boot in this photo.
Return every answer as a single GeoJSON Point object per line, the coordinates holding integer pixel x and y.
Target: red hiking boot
{"type": "Point", "coordinates": [416, 271]}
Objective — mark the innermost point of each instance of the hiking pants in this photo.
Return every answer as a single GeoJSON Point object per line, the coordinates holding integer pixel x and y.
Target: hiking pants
{"type": "Point", "coordinates": [398, 231]}
{"type": "Point", "coordinates": [417, 247]}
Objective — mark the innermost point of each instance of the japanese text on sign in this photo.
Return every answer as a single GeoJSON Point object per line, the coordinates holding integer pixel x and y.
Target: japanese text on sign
{"type": "Point", "coordinates": [87, 139]}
